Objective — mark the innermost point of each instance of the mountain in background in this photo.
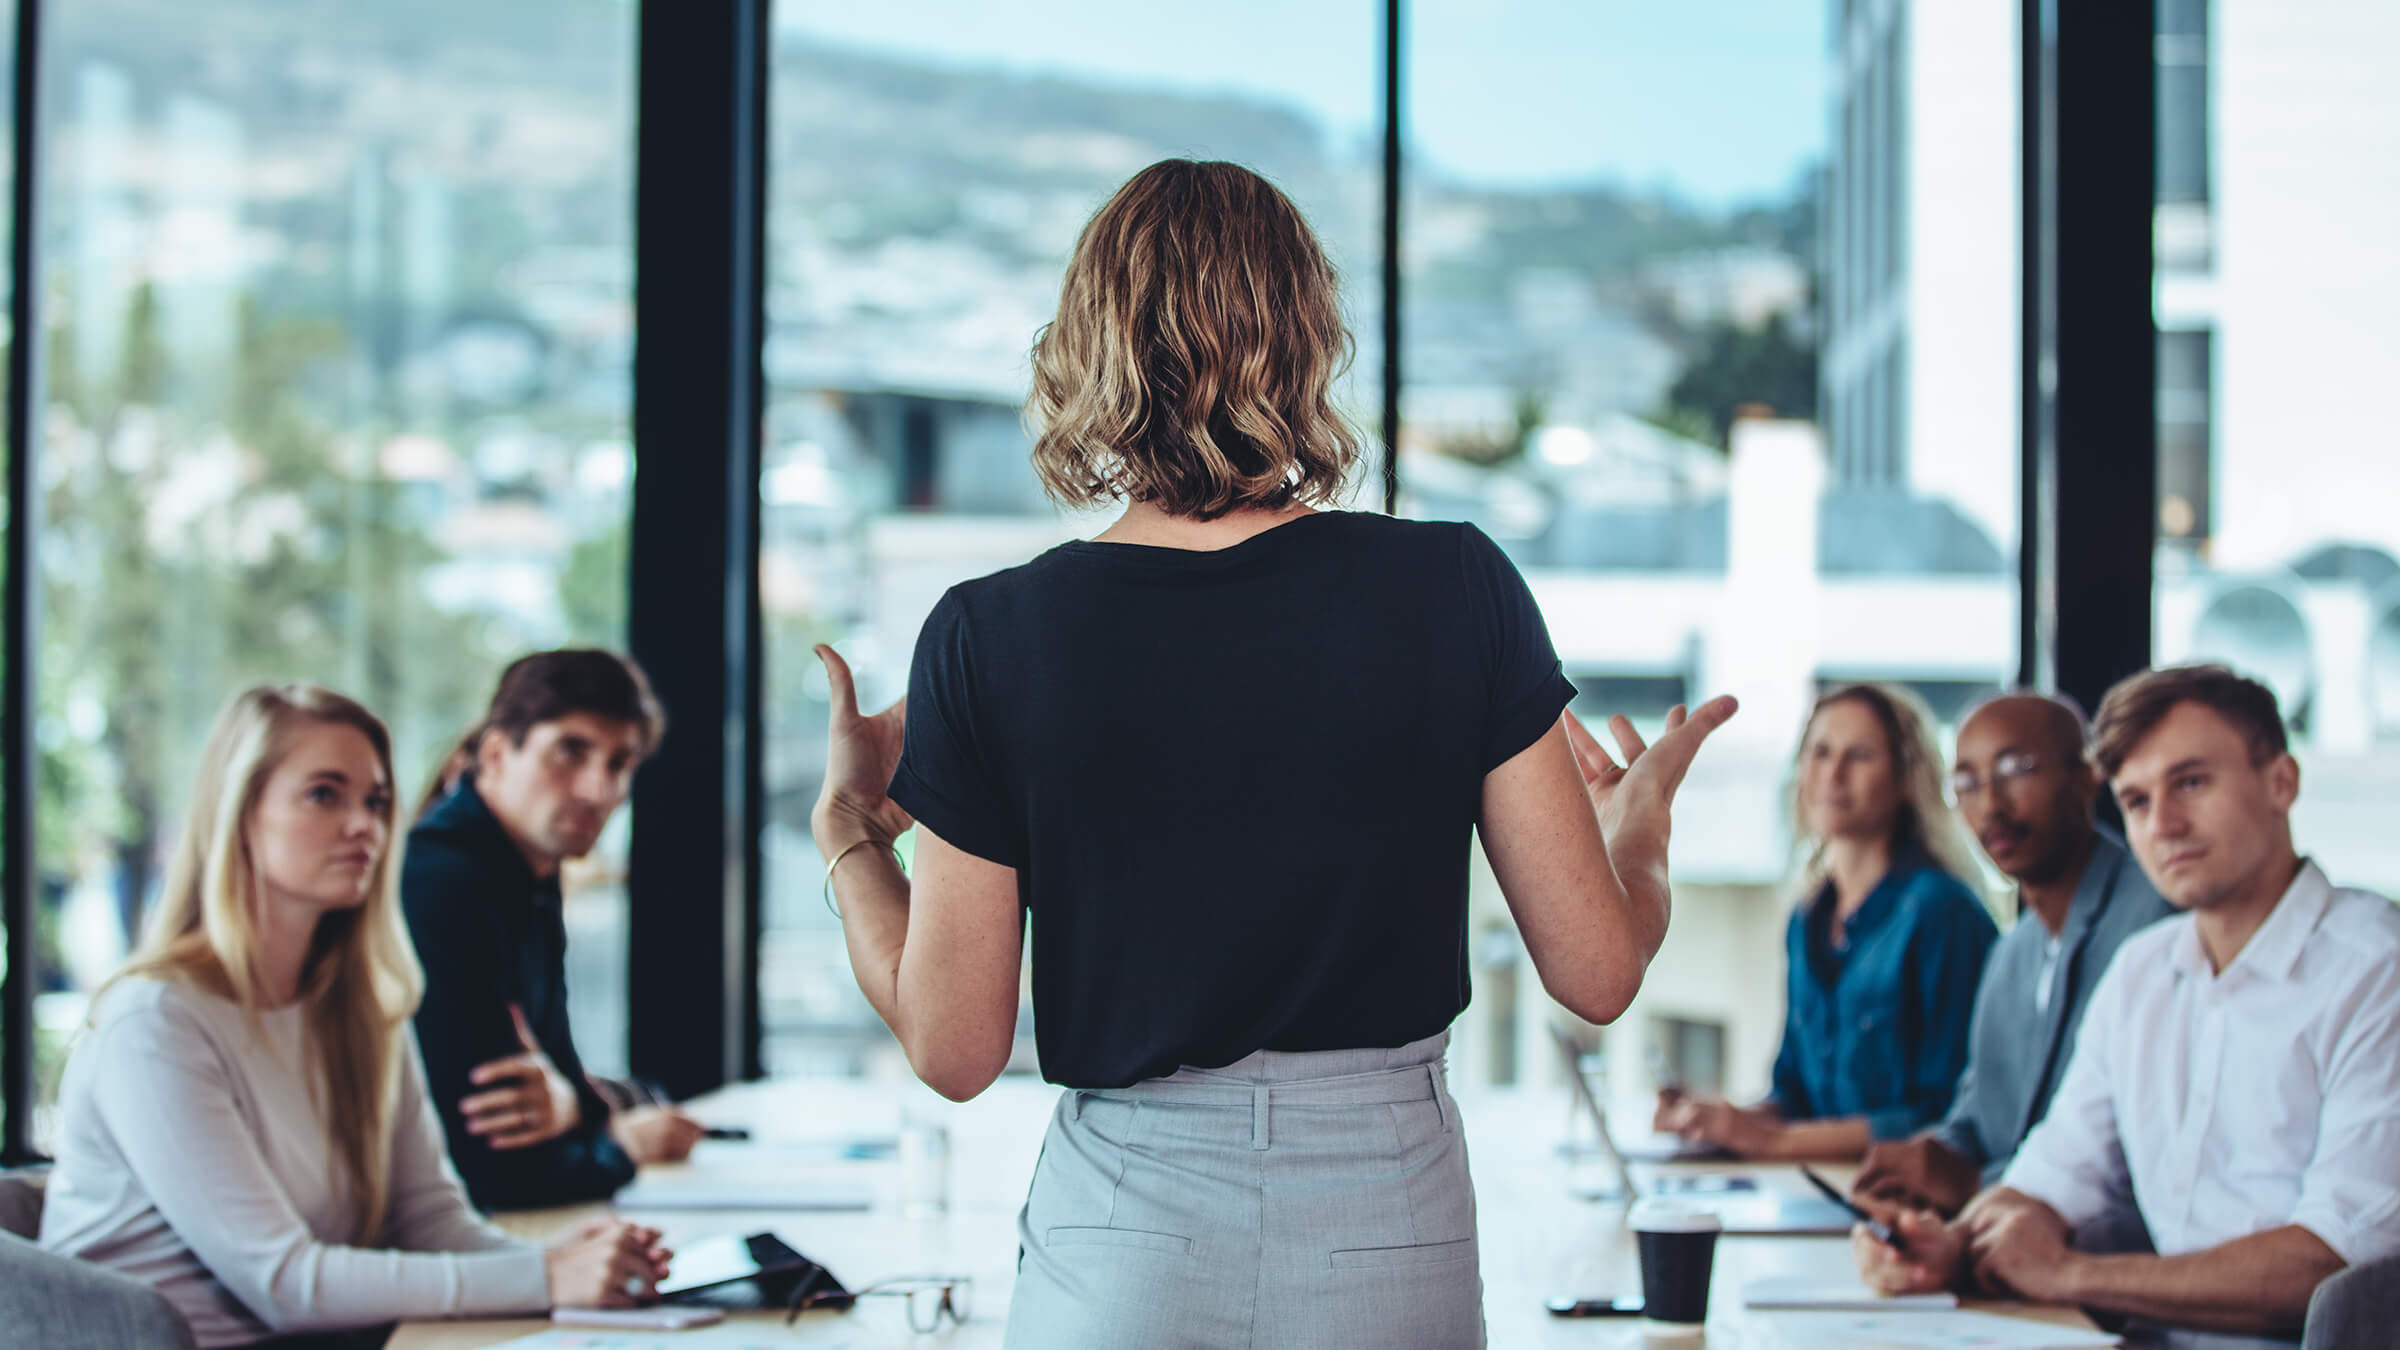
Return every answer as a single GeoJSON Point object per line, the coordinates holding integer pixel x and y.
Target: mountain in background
{"type": "Point", "coordinates": [919, 211]}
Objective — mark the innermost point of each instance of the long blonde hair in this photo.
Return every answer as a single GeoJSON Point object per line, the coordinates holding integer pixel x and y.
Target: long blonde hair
{"type": "Point", "coordinates": [360, 982]}
{"type": "Point", "coordinates": [1924, 820]}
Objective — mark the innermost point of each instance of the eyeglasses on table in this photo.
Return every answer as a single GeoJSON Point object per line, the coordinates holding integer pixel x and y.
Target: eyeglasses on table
{"type": "Point", "coordinates": [929, 1298]}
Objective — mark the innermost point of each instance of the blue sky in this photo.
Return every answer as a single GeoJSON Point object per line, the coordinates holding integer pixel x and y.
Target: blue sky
{"type": "Point", "coordinates": [1718, 100]}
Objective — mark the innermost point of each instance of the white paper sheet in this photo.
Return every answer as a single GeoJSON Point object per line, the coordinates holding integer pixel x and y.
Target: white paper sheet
{"type": "Point", "coordinates": [711, 1193]}
{"type": "Point", "coordinates": [1926, 1330]}
{"type": "Point", "coordinates": [719, 1337]}
{"type": "Point", "coordinates": [1800, 1291]}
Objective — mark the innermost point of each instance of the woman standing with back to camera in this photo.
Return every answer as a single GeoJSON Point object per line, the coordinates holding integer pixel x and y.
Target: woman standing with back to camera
{"type": "Point", "coordinates": [1228, 755]}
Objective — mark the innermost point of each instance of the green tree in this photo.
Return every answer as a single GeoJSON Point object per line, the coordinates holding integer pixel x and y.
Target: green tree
{"type": "Point", "coordinates": [1733, 367]}
{"type": "Point", "coordinates": [1527, 410]}
{"type": "Point", "coordinates": [592, 593]}
{"type": "Point", "coordinates": [186, 555]}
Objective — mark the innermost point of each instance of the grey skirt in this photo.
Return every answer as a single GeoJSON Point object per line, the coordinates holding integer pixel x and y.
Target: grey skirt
{"type": "Point", "coordinates": [1289, 1199]}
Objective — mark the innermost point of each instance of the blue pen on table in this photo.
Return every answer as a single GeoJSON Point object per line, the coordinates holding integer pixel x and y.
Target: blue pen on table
{"type": "Point", "coordinates": [1883, 1232]}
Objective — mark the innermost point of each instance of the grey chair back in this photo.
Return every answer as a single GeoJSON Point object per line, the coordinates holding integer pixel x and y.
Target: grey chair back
{"type": "Point", "coordinates": [2359, 1309]}
{"type": "Point", "coordinates": [21, 1201]}
{"type": "Point", "coordinates": [60, 1303]}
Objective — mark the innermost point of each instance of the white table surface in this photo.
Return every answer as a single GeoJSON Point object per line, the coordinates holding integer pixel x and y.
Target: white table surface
{"type": "Point", "coordinates": [1537, 1239]}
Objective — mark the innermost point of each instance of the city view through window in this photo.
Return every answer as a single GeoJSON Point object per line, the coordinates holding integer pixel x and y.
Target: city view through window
{"type": "Point", "coordinates": [928, 180]}
{"type": "Point", "coordinates": [2278, 314]}
{"type": "Point", "coordinates": [1710, 319]}
{"type": "Point", "coordinates": [338, 325]}
{"type": "Point", "coordinates": [1656, 342]}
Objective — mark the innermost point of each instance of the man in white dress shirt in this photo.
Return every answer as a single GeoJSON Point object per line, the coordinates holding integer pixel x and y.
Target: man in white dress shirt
{"type": "Point", "coordinates": [2237, 1078]}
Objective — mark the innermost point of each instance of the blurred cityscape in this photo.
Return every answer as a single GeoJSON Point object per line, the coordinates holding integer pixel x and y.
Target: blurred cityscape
{"type": "Point", "coordinates": [339, 327]}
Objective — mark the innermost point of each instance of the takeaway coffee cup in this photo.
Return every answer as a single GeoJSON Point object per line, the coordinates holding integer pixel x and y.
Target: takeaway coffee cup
{"type": "Point", "coordinates": [1678, 1246]}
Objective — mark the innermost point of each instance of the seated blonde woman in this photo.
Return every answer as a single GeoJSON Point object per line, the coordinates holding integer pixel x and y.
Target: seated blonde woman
{"type": "Point", "coordinates": [244, 1123]}
{"type": "Point", "coordinates": [1886, 947]}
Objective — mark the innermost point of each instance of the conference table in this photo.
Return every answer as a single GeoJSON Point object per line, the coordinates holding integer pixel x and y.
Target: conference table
{"type": "Point", "coordinates": [1538, 1238]}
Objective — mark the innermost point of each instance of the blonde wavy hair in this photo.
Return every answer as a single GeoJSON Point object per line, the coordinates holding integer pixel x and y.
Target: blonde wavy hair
{"type": "Point", "coordinates": [1192, 362]}
{"type": "Point", "coordinates": [1924, 821]}
{"type": "Point", "coordinates": [361, 981]}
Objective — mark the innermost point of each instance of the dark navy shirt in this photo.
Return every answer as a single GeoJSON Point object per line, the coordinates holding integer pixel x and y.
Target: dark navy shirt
{"type": "Point", "coordinates": [489, 933]}
{"type": "Point", "coordinates": [1238, 786]}
{"type": "Point", "coordinates": [1876, 1024]}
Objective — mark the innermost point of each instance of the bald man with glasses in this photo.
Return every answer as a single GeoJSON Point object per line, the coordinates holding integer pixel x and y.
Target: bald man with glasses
{"type": "Point", "coordinates": [2022, 786]}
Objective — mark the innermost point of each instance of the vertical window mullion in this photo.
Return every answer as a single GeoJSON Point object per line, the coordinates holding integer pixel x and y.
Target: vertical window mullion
{"type": "Point", "coordinates": [17, 753]}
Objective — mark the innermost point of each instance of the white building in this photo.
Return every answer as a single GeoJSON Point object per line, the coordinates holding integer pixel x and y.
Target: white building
{"type": "Point", "coordinates": [1921, 289]}
{"type": "Point", "coordinates": [2277, 294]}
{"type": "Point", "coordinates": [2277, 281]}
{"type": "Point", "coordinates": [2277, 297]}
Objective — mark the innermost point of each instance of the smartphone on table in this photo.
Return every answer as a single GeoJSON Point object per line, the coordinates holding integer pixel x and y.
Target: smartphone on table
{"type": "Point", "coordinates": [1568, 1306]}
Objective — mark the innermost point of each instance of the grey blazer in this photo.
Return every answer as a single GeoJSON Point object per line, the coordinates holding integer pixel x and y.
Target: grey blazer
{"type": "Point", "coordinates": [2016, 1054]}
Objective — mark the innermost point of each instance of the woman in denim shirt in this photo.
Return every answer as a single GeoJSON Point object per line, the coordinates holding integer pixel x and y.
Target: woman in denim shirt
{"type": "Point", "coordinates": [1885, 951]}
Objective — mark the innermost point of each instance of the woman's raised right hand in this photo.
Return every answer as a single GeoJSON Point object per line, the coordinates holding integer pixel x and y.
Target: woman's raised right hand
{"type": "Point", "coordinates": [607, 1263]}
{"type": "Point", "coordinates": [860, 755]}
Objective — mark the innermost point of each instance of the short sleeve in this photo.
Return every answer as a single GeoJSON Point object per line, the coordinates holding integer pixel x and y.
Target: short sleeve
{"type": "Point", "coordinates": [946, 777]}
{"type": "Point", "coordinates": [1527, 687]}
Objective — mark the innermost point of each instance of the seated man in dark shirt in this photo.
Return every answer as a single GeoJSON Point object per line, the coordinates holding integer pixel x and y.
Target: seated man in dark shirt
{"type": "Point", "coordinates": [533, 785]}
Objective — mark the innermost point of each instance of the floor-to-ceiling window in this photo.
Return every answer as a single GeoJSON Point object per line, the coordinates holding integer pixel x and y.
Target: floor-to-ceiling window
{"type": "Point", "coordinates": [1620, 242]}
{"type": "Point", "coordinates": [337, 311]}
{"type": "Point", "coordinates": [930, 167]}
{"type": "Point", "coordinates": [338, 323]}
{"type": "Point", "coordinates": [2279, 314]}
{"type": "Point", "coordinates": [1709, 319]}
{"type": "Point", "coordinates": [8, 175]}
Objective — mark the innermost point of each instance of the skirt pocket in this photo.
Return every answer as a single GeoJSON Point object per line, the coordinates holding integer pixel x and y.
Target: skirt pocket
{"type": "Point", "coordinates": [1118, 1237]}
{"type": "Point", "coordinates": [1385, 1258]}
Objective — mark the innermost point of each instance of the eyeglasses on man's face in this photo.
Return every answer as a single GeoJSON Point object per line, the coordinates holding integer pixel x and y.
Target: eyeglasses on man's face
{"type": "Point", "coordinates": [2008, 770]}
{"type": "Point", "coordinates": [930, 1299]}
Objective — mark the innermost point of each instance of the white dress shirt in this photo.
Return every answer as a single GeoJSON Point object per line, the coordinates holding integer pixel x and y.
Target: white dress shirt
{"type": "Point", "coordinates": [2234, 1102]}
{"type": "Point", "coordinates": [2052, 945]}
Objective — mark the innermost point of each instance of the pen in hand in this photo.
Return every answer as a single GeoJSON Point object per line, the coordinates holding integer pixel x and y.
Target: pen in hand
{"type": "Point", "coordinates": [1883, 1232]}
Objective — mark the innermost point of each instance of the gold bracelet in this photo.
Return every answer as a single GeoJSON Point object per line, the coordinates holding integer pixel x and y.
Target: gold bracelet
{"type": "Point", "coordinates": [844, 853]}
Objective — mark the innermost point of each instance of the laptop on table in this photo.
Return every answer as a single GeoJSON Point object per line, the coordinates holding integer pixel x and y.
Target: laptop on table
{"type": "Point", "coordinates": [1737, 1201]}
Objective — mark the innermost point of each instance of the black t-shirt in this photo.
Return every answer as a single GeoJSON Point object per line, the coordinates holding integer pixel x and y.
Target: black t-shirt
{"type": "Point", "coordinates": [1237, 786]}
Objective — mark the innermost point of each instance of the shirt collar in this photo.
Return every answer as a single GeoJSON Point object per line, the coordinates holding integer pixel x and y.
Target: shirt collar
{"type": "Point", "coordinates": [2273, 952]}
{"type": "Point", "coordinates": [1877, 908]}
{"type": "Point", "coordinates": [2275, 948]}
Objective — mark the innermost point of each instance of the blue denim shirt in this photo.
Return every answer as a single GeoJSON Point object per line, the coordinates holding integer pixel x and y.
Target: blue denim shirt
{"type": "Point", "coordinates": [1878, 1027]}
